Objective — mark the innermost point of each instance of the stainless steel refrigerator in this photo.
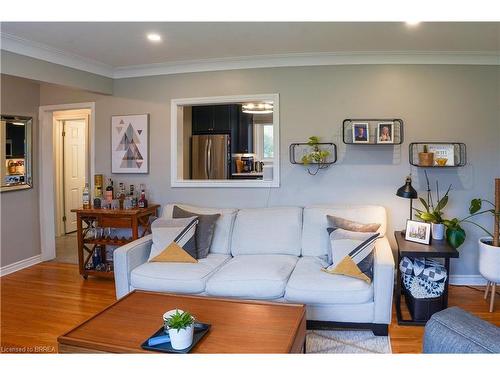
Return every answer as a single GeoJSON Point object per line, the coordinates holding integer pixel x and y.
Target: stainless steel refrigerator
{"type": "Point", "coordinates": [210, 157]}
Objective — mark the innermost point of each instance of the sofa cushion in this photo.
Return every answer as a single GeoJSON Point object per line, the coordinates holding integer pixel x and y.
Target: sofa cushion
{"type": "Point", "coordinates": [315, 238]}
{"type": "Point", "coordinates": [221, 239]}
{"type": "Point", "coordinates": [187, 278]}
{"type": "Point", "coordinates": [275, 230]}
{"type": "Point", "coordinates": [252, 277]}
{"type": "Point", "coordinates": [308, 284]}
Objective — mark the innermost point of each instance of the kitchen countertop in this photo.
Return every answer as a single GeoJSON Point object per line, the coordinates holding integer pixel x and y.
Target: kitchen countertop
{"type": "Point", "coordinates": [248, 174]}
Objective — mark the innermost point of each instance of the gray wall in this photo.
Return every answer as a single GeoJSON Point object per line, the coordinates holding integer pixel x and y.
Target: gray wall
{"type": "Point", "coordinates": [20, 225]}
{"type": "Point", "coordinates": [446, 103]}
{"type": "Point", "coordinates": [43, 71]}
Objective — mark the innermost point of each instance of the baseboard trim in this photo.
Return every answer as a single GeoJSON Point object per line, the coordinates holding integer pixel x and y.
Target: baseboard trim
{"type": "Point", "coordinates": [467, 280]}
{"type": "Point", "coordinates": [17, 266]}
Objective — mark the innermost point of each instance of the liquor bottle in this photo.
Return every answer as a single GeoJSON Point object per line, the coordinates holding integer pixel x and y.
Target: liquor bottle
{"type": "Point", "coordinates": [121, 195]}
{"type": "Point", "coordinates": [122, 189]}
{"type": "Point", "coordinates": [98, 185]}
{"type": "Point", "coordinates": [143, 202]}
{"type": "Point", "coordinates": [86, 196]}
{"type": "Point", "coordinates": [108, 195]}
{"type": "Point", "coordinates": [133, 196]}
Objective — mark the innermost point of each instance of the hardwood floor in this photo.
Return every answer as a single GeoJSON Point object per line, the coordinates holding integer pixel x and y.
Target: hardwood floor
{"type": "Point", "coordinates": [41, 302]}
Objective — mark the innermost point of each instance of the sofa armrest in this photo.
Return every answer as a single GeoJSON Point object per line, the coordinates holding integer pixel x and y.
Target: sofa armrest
{"type": "Point", "coordinates": [128, 257]}
{"type": "Point", "coordinates": [383, 281]}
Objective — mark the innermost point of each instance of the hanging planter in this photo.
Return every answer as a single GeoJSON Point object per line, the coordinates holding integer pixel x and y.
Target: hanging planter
{"type": "Point", "coordinates": [314, 154]}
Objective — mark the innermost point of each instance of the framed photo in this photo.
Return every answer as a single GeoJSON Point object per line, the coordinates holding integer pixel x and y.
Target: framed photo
{"type": "Point", "coordinates": [360, 132]}
{"type": "Point", "coordinates": [444, 154]}
{"type": "Point", "coordinates": [130, 144]}
{"type": "Point", "coordinates": [385, 132]}
{"type": "Point", "coordinates": [417, 231]}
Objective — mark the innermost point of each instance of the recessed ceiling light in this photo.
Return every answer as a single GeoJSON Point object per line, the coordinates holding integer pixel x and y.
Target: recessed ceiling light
{"type": "Point", "coordinates": [412, 23]}
{"type": "Point", "coordinates": [154, 37]}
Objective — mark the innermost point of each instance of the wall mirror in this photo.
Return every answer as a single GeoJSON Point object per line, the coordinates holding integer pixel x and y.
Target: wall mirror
{"type": "Point", "coordinates": [16, 147]}
{"type": "Point", "coordinates": [229, 141]}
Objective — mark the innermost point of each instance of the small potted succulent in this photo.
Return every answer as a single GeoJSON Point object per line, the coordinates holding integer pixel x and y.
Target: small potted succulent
{"type": "Point", "coordinates": [180, 328]}
{"type": "Point", "coordinates": [426, 158]}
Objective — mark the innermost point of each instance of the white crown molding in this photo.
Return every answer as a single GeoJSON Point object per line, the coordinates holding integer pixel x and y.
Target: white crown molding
{"type": "Point", "coordinates": [17, 266]}
{"type": "Point", "coordinates": [308, 59]}
{"type": "Point", "coordinates": [44, 52]}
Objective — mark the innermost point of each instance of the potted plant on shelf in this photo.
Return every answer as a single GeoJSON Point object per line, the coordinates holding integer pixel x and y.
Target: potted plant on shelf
{"type": "Point", "coordinates": [316, 156]}
{"type": "Point", "coordinates": [456, 235]}
{"type": "Point", "coordinates": [426, 158]}
{"type": "Point", "coordinates": [434, 213]}
{"type": "Point", "coordinates": [180, 328]}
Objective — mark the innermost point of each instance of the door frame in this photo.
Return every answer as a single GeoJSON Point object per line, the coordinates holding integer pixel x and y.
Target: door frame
{"type": "Point", "coordinates": [59, 161]}
{"type": "Point", "coordinates": [46, 170]}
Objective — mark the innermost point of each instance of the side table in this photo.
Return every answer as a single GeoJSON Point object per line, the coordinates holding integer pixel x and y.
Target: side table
{"type": "Point", "coordinates": [437, 249]}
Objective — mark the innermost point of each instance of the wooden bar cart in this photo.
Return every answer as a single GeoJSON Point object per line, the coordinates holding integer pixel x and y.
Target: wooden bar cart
{"type": "Point", "coordinates": [91, 224]}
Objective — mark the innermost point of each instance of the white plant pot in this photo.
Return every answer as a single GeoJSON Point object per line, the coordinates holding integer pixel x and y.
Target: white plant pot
{"type": "Point", "coordinates": [181, 339]}
{"type": "Point", "coordinates": [489, 260]}
{"type": "Point", "coordinates": [437, 231]}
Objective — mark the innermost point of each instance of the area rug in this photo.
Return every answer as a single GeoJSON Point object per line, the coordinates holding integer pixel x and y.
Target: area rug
{"type": "Point", "coordinates": [346, 342]}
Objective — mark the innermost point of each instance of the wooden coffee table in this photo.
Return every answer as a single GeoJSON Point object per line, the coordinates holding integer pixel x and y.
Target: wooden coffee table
{"type": "Point", "coordinates": [238, 326]}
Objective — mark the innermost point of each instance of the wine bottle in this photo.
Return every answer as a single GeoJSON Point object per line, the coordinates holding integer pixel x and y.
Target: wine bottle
{"type": "Point", "coordinates": [86, 196]}
{"type": "Point", "coordinates": [143, 202]}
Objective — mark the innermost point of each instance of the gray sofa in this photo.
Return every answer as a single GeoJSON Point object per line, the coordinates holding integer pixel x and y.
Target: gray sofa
{"type": "Point", "coordinates": [272, 254]}
{"type": "Point", "coordinates": [455, 331]}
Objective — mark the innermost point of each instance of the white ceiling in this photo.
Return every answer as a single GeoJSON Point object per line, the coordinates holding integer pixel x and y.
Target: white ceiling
{"type": "Point", "coordinates": [124, 44]}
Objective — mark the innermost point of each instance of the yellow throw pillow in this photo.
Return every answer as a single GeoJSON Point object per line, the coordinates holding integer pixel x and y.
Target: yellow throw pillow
{"type": "Point", "coordinates": [175, 254]}
{"type": "Point", "coordinates": [352, 253]}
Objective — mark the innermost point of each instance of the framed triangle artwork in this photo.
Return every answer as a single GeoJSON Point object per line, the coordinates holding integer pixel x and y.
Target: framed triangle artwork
{"type": "Point", "coordinates": [130, 144]}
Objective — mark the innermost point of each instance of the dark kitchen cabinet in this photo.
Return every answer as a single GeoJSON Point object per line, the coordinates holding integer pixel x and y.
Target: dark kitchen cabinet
{"type": "Point", "coordinates": [225, 117]}
{"type": "Point", "coordinates": [213, 119]}
{"type": "Point", "coordinates": [243, 136]}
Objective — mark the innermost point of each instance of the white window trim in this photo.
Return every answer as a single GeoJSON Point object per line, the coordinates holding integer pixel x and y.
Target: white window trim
{"type": "Point", "coordinates": [259, 146]}
{"type": "Point", "coordinates": [176, 145]}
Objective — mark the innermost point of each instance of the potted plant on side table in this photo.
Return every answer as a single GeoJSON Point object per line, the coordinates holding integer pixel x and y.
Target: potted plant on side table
{"type": "Point", "coordinates": [434, 213]}
{"type": "Point", "coordinates": [180, 328]}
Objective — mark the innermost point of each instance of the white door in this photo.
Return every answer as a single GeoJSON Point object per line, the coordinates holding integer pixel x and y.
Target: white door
{"type": "Point", "coordinates": [75, 169]}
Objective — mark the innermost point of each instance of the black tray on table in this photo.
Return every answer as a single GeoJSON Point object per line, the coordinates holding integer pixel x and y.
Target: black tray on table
{"type": "Point", "coordinates": [200, 330]}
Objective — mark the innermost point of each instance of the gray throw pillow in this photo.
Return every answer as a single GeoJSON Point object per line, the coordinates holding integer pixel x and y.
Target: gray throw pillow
{"type": "Point", "coordinates": [353, 226]}
{"type": "Point", "coordinates": [204, 229]}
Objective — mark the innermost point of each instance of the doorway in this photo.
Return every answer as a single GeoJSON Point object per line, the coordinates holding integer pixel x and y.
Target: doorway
{"type": "Point", "coordinates": [72, 172]}
{"type": "Point", "coordinates": [49, 172]}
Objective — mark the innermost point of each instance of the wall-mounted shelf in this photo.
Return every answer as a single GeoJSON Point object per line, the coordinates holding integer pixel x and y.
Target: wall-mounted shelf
{"type": "Point", "coordinates": [298, 150]}
{"type": "Point", "coordinates": [455, 154]}
{"type": "Point", "coordinates": [373, 125]}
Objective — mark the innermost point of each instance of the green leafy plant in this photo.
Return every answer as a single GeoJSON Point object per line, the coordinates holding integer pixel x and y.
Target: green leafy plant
{"type": "Point", "coordinates": [433, 213]}
{"type": "Point", "coordinates": [455, 234]}
{"type": "Point", "coordinates": [317, 156]}
{"type": "Point", "coordinates": [179, 320]}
